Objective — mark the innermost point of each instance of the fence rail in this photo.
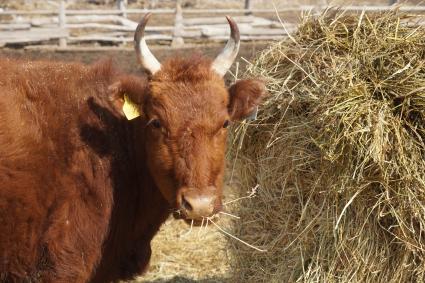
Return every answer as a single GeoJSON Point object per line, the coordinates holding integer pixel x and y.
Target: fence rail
{"type": "Point", "coordinates": [72, 27]}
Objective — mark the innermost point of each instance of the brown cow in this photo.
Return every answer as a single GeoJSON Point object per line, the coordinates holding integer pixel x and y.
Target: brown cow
{"type": "Point", "coordinates": [82, 189]}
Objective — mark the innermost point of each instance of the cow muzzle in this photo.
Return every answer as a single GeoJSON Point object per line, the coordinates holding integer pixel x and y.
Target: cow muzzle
{"type": "Point", "coordinates": [197, 204]}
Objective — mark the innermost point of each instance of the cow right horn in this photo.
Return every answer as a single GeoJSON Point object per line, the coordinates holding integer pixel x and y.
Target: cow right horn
{"type": "Point", "coordinates": [225, 59]}
{"type": "Point", "coordinates": [144, 55]}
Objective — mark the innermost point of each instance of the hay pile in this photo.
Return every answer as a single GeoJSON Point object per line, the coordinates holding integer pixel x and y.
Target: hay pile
{"type": "Point", "coordinates": [339, 154]}
{"type": "Point", "coordinates": [183, 255]}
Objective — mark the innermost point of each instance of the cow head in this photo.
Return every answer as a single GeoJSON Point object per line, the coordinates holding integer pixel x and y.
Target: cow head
{"type": "Point", "coordinates": [186, 110]}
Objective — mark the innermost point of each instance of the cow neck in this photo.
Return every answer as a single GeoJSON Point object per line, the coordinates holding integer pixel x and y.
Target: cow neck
{"type": "Point", "coordinates": [139, 210]}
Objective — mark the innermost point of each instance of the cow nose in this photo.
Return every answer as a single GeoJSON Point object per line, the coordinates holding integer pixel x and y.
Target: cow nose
{"type": "Point", "coordinates": [196, 205]}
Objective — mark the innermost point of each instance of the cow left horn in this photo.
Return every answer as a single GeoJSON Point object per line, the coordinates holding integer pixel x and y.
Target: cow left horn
{"type": "Point", "coordinates": [225, 59]}
{"type": "Point", "coordinates": [144, 55]}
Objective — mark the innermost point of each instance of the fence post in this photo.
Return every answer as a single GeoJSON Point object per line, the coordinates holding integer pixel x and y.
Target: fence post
{"type": "Point", "coordinates": [178, 27]}
{"type": "Point", "coordinates": [248, 6]}
{"type": "Point", "coordinates": [121, 5]}
{"type": "Point", "coordinates": [152, 4]}
{"type": "Point", "coordinates": [62, 23]}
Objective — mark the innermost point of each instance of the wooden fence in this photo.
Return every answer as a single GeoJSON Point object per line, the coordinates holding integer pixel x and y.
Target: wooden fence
{"type": "Point", "coordinates": [68, 28]}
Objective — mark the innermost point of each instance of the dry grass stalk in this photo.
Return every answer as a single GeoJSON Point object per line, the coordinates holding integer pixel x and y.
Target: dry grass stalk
{"type": "Point", "coordinates": [339, 153]}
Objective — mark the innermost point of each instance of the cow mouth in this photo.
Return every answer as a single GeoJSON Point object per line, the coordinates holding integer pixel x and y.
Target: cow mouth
{"type": "Point", "coordinates": [178, 214]}
{"type": "Point", "coordinates": [193, 222]}
{"type": "Point", "coordinates": [196, 205]}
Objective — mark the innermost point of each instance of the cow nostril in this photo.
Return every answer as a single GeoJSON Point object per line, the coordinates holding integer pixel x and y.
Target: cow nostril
{"type": "Point", "coordinates": [196, 204]}
{"type": "Point", "coordinates": [186, 205]}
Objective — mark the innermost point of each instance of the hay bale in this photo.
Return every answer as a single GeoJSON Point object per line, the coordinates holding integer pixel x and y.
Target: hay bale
{"type": "Point", "coordinates": [339, 153]}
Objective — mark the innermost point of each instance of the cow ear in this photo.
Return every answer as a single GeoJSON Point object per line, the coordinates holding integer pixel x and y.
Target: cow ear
{"type": "Point", "coordinates": [245, 95]}
{"type": "Point", "coordinates": [127, 96]}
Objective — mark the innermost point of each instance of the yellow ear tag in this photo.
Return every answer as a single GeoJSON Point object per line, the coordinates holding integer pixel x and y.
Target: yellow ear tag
{"type": "Point", "coordinates": [130, 109]}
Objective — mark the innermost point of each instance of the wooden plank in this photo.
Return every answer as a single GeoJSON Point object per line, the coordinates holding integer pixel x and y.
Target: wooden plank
{"type": "Point", "coordinates": [33, 12]}
{"type": "Point", "coordinates": [270, 24]}
{"type": "Point", "coordinates": [127, 22]}
{"type": "Point", "coordinates": [99, 26]}
{"type": "Point", "coordinates": [44, 21]}
{"type": "Point", "coordinates": [216, 20]}
{"type": "Point", "coordinates": [220, 21]}
{"type": "Point", "coordinates": [107, 34]}
{"type": "Point", "coordinates": [116, 39]}
{"type": "Point", "coordinates": [212, 31]}
{"type": "Point", "coordinates": [33, 35]}
{"type": "Point", "coordinates": [13, 26]}
{"type": "Point", "coordinates": [84, 19]}
{"type": "Point", "coordinates": [192, 34]}
{"type": "Point", "coordinates": [116, 27]}
{"type": "Point", "coordinates": [98, 38]}
{"type": "Point", "coordinates": [116, 12]}
{"type": "Point", "coordinates": [95, 21]}
{"type": "Point", "coordinates": [54, 32]}
{"type": "Point", "coordinates": [250, 37]}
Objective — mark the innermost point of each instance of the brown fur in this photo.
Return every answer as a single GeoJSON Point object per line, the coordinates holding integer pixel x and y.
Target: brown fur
{"type": "Point", "coordinates": [83, 190]}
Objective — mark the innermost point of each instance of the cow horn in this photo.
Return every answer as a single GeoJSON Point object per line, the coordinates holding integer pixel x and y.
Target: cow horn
{"type": "Point", "coordinates": [225, 59]}
{"type": "Point", "coordinates": [144, 55]}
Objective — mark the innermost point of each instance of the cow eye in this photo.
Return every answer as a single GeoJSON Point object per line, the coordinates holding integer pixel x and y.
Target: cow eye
{"type": "Point", "coordinates": [156, 123]}
{"type": "Point", "coordinates": [226, 124]}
